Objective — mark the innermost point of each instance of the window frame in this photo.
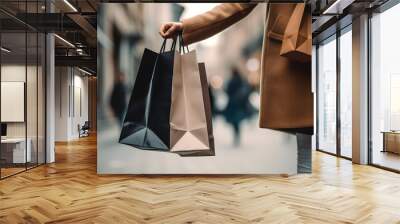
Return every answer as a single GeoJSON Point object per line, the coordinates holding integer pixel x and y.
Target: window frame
{"type": "Point", "coordinates": [334, 37]}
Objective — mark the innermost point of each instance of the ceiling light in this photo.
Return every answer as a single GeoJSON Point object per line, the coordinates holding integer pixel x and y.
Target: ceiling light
{"type": "Point", "coordinates": [70, 5]}
{"type": "Point", "coordinates": [65, 41]}
{"type": "Point", "coordinates": [337, 7]}
{"type": "Point", "coordinates": [84, 71]}
{"type": "Point", "coordinates": [80, 51]}
{"type": "Point", "coordinates": [5, 50]}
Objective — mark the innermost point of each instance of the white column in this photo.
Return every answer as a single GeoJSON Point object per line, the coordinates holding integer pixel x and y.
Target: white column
{"type": "Point", "coordinates": [50, 92]}
{"type": "Point", "coordinates": [360, 90]}
{"type": "Point", "coordinates": [62, 103]}
{"type": "Point", "coordinates": [50, 100]}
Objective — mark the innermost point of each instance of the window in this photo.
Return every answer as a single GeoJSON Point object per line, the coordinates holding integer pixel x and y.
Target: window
{"type": "Point", "coordinates": [22, 77]}
{"type": "Point", "coordinates": [385, 89]}
{"type": "Point", "coordinates": [327, 96]}
{"type": "Point", "coordinates": [346, 93]}
{"type": "Point", "coordinates": [334, 94]}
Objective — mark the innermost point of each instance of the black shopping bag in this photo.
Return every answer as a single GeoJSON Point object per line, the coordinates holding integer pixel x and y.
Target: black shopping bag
{"type": "Point", "coordinates": [146, 124]}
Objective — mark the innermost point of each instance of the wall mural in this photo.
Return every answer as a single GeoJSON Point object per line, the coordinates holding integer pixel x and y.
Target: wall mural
{"type": "Point", "coordinates": [192, 104]}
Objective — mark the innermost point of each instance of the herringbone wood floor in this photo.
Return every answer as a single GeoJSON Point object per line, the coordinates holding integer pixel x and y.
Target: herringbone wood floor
{"type": "Point", "coordinates": [70, 191]}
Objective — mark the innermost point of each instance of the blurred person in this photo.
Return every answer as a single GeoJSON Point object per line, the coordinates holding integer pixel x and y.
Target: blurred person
{"type": "Point", "coordinates": [237, 109]}
{"type": "Point", "coordinates": [118, 93]}
{"type": "Point", "coordinates": [286, 100]}
{"type": "Point", "coordinates": [118, 98]}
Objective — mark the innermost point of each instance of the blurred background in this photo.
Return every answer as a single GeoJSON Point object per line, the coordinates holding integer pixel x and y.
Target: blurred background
{"type": "Point", "coordinates": [232, 60]}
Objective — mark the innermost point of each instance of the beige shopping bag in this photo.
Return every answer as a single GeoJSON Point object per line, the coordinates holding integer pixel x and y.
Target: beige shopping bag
{"type": "Point", "coordinates": [297, 38]}
{"type": "Point", "coordinates": [189, 133]}
{"type": "Point", "coordinates": [207, 108]}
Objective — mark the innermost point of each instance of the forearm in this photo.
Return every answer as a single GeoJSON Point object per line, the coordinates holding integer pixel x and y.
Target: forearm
{"type": "Point", "coordinates": [214, 21]}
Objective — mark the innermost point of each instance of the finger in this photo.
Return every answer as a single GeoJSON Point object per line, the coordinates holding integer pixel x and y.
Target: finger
{"type": "Point", "coordinates": [166, 27]}
{"type": "Point", "coordinates": [170, 31]}
{"type": "Point", "coordinates": [163, 28]}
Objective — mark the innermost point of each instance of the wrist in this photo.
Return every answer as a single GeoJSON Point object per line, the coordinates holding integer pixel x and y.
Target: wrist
{"type": "Point", "coordinates": [181, 26]}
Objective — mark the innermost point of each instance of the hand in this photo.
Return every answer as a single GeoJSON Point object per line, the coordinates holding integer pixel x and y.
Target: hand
{"type": "Point", "coordinates": [170, 29]}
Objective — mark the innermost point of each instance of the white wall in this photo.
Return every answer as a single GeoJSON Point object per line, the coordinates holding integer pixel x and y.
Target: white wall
{"type": "Point", "coordinates": [12, 73]}
{"type": "Point", "coordinates": [17, 73]}
{"type": "Point", "coordinates": [61, 103]}
{"type": "Point", "coordinates": [70, 83]}
{"type": "Point", "coordinates": [80, 84]}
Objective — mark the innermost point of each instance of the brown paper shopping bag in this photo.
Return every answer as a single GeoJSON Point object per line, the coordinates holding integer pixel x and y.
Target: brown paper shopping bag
{"type": "Point", "coordinates": [297, 38]}
{"type": "Point", "coordinates": [189, 133]}
{"type": "Point", "coordinates": [207, 108]}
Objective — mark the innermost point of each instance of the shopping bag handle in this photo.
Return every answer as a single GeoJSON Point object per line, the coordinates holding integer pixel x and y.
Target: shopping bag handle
{"type": "Point", "coordinates": [162, 50]}
{"type": "Point", "coordinates": [182, 44]}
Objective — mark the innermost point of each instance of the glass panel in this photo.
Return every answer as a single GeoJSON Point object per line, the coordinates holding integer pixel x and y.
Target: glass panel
{"type": "Point", "coordinates": [327, 96]}
{"type": "Point", "coordinates": [41, 99]}
{"type": "Point", "coordinates": [385, 84]}
{"type": "Point", "coordinates": [346, 94]}
{"type": "Point", "coordinates": [13, 87]}
{"type": "Point", "coordinates": [32, 88]}
{"type": "Point", "coordinates": [31, 98]}
{"type": "Point", "coordinates": [23, 89]}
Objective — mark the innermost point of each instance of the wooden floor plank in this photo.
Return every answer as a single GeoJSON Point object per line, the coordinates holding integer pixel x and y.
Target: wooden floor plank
{"type": "Point", "coordinates": [70, 191]}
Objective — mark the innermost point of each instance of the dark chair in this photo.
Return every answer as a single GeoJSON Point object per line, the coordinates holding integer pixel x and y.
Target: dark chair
{"type": "Point", "coordinates": [84, 130]}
